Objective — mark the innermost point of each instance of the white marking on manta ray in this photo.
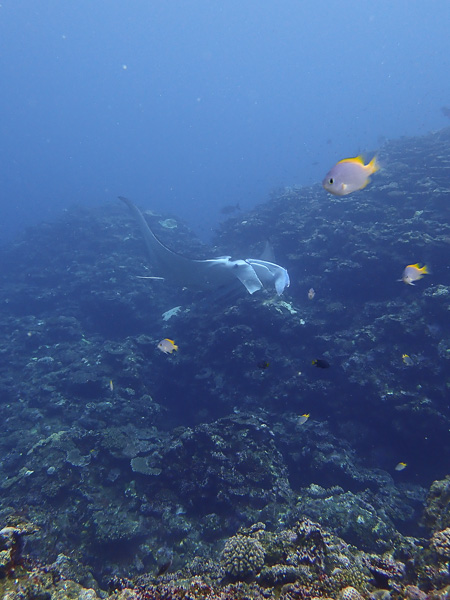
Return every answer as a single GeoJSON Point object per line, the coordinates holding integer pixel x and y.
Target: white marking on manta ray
{"type": "Point", "coordinates": [254, 274]}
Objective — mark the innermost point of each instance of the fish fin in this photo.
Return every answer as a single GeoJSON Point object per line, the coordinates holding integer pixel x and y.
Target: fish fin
{"type": "Point", "coordinates": [357, 159]}
{"type": "Point", "coordinates": [175, 347]}
{"type": "Point", "coordinates": [425, 270]}
{"type": "Point", "coordinates": [373, 166]}
{"type": "Point", "coordinates": [268, 254]}
{"type": "Point", "coordinates": [171, 341]}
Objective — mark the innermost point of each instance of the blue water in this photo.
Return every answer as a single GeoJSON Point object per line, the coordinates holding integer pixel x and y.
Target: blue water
{"type": "Point", "coordinates": [189, 106]}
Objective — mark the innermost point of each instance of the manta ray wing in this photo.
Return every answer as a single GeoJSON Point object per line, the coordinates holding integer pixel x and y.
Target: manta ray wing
{"type": "Point", "coordinates": [270, 274]}
{"type": "Point", "coordinates": [212, 273]}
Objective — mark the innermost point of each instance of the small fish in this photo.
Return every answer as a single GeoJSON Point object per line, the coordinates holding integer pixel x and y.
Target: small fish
{"type": "Point", "coordinates": [445, 110]}
{"type": "Point", "coordinates": [167, 346]}
{"type": "Point", "coordinates": [263, 364]}
{"type": "Point", "coordinates": [311, 293]}
{"type": "Point", "coordinates": [321, 363]}
{"type": "Point", "coordinates": [303, 418]}
{"type": "Point", "coordinates": [111, 385]}
{"type": "Point", "coordinates": [349, 175]}
{"type": "Point", "coordinates": [400, 466]}
{"type": "Point", "coordinates": [408, 361]}
{"type": "Point", "coordinates": [164, 568]}
{"type": "Point", "coordinates": [230, 208]}
{"type": "Point", "coordinates": [414, 273]}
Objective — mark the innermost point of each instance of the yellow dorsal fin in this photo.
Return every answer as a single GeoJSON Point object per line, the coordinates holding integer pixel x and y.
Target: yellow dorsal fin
{"type": "Point", "coordinates": [171, 341]}
{"type": "Point", "coordinates": [358, 159]}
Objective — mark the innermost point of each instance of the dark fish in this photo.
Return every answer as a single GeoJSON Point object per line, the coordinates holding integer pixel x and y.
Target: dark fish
{"type": "Point", "coordinates": [445, 110]}
{"type": "Point", "coordinates": [164, 568]}
{"type": "Point", "coordinates": [230, 208]}
{"type": "Point", "coordinates": [321, 363]}
{"type": "Point", "coordinates": [262, 364]}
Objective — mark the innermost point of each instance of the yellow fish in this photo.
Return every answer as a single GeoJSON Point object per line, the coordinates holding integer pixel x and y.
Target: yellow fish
{"type": "Point", "coordinates": [407, 360]}
{"type": "Point", "coordinates": [400, 466]}
{"type": "Point", "coordinates": [303, 418]}
{"type": "Point", "coordinates": [414, 273]}
{"type": "Point", "coordinates": [349, 175]}
{"type": "Point", "coordinates": [111, 385]}
{"type": "Point", "coordinates": [167, 346]}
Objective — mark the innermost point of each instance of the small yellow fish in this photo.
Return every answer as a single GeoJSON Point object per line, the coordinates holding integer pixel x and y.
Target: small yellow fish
{"type": "Point", "coordinates": [111, 385]}
{"type": "Point", "coordinates": [167, 346]}
{"type": "Point", "coordinates": [401, 466]}
{"type": "Point", "coordinates": [408, 361]}
{"type": "Point", "coordinates": [303, 418]}
{"type": "Point", "coordinates": [414, 273]}
{"type": "Point", "coordinates": [349, 175]}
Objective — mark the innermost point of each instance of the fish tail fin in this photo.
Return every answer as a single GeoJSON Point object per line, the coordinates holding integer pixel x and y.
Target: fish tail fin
{"type": "Point", "coordinates": [175, 347]}
{"type": "Point", "coordinates": [374, 165]}
{"type": "Point", "coordinates": [425, 270]}
{"type": "Point", "coordinates": [314, 362]}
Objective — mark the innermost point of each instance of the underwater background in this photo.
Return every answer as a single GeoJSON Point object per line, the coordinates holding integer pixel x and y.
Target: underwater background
{"type": "Point", "coordinates": [236, 466]}
{"type": "Point", "coordinates": [190, 105]}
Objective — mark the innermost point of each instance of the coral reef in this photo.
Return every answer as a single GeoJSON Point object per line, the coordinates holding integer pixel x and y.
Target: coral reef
{"type": "Point", "coordinates": [440, 543]}
{"type": "Point", "coordinates": [164, 462]}
{"type": "Point", "coordinates": [437, 509]}
{"type": "Point", "coordinates": [302, 562]}
{"type": "Point", "coordinates": [242, 557]}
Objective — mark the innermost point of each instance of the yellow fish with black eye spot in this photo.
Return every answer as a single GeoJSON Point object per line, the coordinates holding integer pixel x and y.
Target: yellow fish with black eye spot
{"type": "Point", "coordinates": [349, 175]}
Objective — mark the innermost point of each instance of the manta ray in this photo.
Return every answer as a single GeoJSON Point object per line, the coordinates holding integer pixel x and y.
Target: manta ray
{"type": "Point", "coordinates": [210, 274]}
